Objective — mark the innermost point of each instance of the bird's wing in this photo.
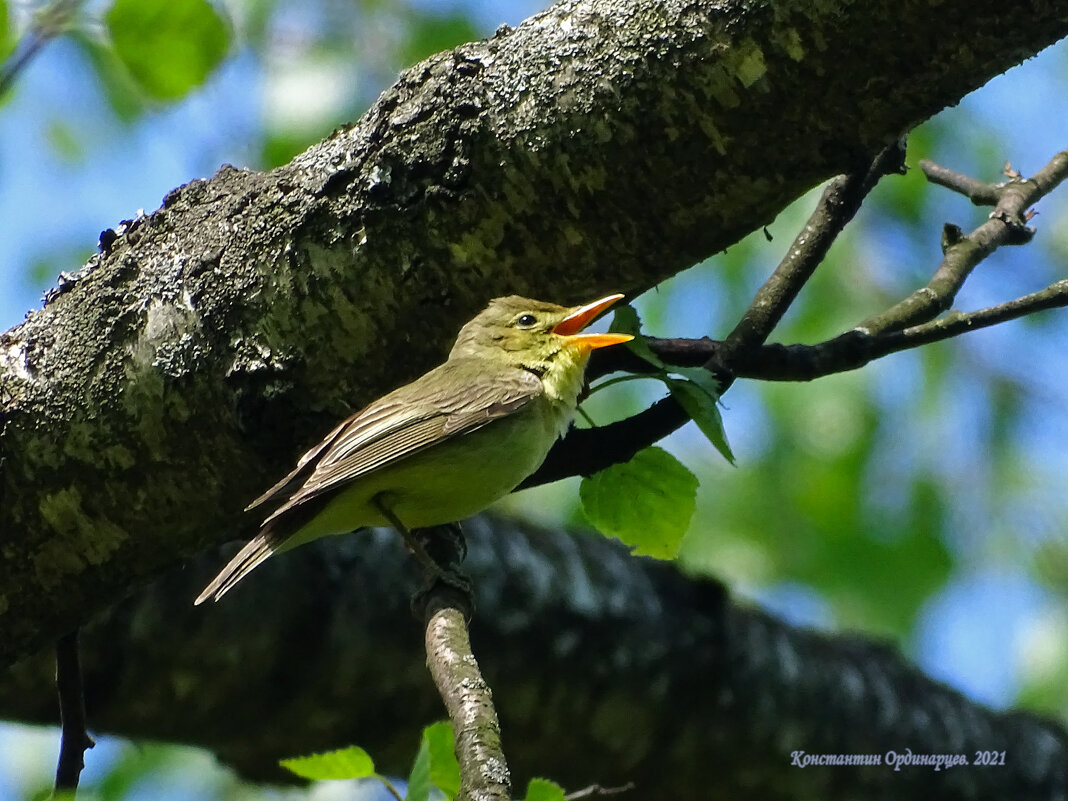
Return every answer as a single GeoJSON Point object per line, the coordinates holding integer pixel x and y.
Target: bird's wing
{"type": "Point", "coordinates": [398, 425]}
{"type": "Point", "coordinates": [402, 424]}
{"type": "Point", "coordinates": [300, 473]}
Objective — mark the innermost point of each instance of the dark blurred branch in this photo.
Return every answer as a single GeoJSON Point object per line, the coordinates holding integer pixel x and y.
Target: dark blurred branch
{"type": "Point", "coordinates": [74, 734]}
{"type": "Point", "coordinates": [645, 674]}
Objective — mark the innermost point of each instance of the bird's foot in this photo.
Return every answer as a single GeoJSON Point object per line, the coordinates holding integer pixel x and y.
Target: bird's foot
{"type": "Point", "coordinates": [440, 552]}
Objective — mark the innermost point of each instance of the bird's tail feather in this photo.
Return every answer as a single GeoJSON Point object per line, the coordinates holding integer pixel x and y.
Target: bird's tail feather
{"type": "Point", "coordinates": [255, 551]}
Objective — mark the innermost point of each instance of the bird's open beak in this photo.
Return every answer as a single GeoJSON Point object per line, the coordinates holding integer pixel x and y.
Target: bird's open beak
{"type": "Point", "coordinates": [579, 318]}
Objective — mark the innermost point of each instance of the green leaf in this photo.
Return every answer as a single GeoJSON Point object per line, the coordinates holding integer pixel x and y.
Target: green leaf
{"type": "Point", "coordinates": [647, 502]}
{"type": "Point", "coordinates": [419, 782]}
{"type": "Point", "coordinates": [703, 378]}
{"type": "Point", "coordinates": [346, 763]}
{"type": "Point", "coordinates": [702, 407]}
{"type": "Point", "coordinates": [544, 790]}
{"type": "Point", "coordinates": [65, 142]}
{"type": "Point", "coordinates": [444, 769]}
{"type": "Point", "coordinates": [431, 33]}
{"type": "Point", "coordinates": [435, 764]}
{"type": "Point", "coordinates": [169, 46]}
{"type": "Point", "coordinates": [625, 320]}
{"type": "Point", "coordinates": [6, 39]}
{"type": "Point", "coordinates": [698, 393]}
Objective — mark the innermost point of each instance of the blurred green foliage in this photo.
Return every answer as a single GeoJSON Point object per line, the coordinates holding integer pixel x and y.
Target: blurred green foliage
{"type": "Point", "coordinates": [7, 40]}
{"type": "Point", "coordinates": [169, 46]}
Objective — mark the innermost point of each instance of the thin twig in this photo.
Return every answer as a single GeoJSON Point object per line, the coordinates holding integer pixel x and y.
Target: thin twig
{"type": "Point", "coordinates": [1005, 226]}
{"type": "Point", "coordinates": [586, 451]}
{"type": "Point", "coordinates": [837, 206]}
{"type": "Point", "coordinates": [956, 323]}
{"type": "Point", "coordinates": [19, 60]}
{"type": "Point", "coordinates": [978, 192]}
{"type": "Point", "coordinates": [391, 788]}
{"type": "Point", "coordinates": [596, 789]}
{"type": "Point", "coordinates": [48, 23]}
{"type": "Point", "coordinates": [74, 736]}
{"type": "Point", "coordinates": [907, 325]}
{"type": "Point", "coordinates": [853, 349]}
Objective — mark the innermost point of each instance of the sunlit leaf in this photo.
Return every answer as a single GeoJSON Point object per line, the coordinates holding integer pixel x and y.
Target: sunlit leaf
{"type": "Point", "coordinates": [544, 790]}
{"type": "Point", "coordinates": [419, 782]}
{"type": "Point", "coordinates": [444, 769]}
{"type": "Point", "coordinates": [646, 502]}
{"type": "Point", "coordinates": [701, 406]}
{"type": "Point", "coordinates": [169, 46]}
{"type": "Point", "coordinates": [346, 763]}
{"type": "Point", "coordinates": [435, 764]}
{"type": "Point", "coordinates": [625, 320]}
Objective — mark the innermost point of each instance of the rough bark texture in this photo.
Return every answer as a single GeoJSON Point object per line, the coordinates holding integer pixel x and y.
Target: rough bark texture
{"type": "Point", "coordinates": [604, 667]}
{"type": "Point", "coordinates": [599, 146]}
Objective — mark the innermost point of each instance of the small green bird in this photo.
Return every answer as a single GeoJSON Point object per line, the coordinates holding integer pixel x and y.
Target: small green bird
{"type": "Point", "coordinates": [445, 446]}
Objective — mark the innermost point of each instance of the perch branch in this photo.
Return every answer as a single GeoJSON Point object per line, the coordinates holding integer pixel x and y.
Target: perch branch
{"type": "Point", "coordinates": [446, 607]}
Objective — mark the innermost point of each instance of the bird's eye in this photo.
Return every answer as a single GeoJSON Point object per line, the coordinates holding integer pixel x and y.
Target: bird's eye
{"type": "Point", "coordinates": [526, 321]}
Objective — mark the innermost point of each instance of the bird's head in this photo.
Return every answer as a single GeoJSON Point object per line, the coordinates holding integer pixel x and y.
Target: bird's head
{"type": "Point", "coordinates": [535, 335]}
